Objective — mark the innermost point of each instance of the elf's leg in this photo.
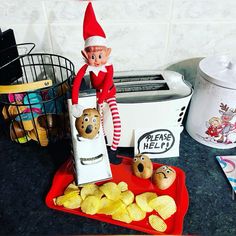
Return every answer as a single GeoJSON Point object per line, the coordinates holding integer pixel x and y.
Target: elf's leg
{"type": "Point", "coordinates": [116, 122]}
{"type": "Point", "coordinates": [100, 108]}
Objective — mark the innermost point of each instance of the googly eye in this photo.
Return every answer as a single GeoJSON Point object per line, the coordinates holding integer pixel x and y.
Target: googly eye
{"type": "Point", "coordinates": [94, 120]}
{"type": "Point", "coordinates": [167, 171]}
{"type": "Point", "coordinates": [86, 118]}
{"type": "Point", "coordinates": [135, 159]}
{"type": "Point", "coordinates": [142, 158]}
{"type": "Point", "coordinates": [164, 167]}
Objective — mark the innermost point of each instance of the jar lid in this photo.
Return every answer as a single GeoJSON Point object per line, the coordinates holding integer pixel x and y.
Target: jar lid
{"type": "Point", "coordinates": [220, 70]}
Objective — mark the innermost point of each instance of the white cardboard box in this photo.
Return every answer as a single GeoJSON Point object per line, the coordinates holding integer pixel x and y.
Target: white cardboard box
{"type": "Point", "coordinates": [158, 142]}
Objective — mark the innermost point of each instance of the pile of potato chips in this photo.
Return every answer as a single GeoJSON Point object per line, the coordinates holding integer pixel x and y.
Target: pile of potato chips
{"type": "Point", "coordinates": [119, 202]}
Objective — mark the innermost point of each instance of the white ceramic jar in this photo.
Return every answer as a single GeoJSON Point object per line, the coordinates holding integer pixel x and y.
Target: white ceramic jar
{"type": "Point", "coordinates": [212, 115]}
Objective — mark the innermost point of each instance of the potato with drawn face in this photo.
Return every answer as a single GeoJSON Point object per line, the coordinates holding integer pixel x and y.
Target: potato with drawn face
{"type": "Point", "coordinates": [88, 124]}
{"type": "Point", "coordinates": [142, 166]}
{"type": "Point", "coordinates": [163, 177]}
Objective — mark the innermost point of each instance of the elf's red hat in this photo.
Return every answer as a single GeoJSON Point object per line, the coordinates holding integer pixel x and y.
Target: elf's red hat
{"type": "Point", "coordinates": [92, 31]}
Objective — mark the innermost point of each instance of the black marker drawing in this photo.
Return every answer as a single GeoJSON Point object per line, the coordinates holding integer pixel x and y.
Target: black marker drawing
{"type": "Point", "coordinates": [156, 142]}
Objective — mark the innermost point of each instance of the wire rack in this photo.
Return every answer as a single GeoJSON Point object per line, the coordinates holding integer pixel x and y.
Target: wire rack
{"type": "Point", "coordinates": [39, 115]}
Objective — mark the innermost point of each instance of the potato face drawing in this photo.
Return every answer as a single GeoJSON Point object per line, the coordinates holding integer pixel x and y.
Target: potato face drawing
{"type": "Point", "coordinates": [163, 177]}
{"type": "Point", "coordinates": [142, 166]}
{"type": "Point", "coordinates": [88, 124]}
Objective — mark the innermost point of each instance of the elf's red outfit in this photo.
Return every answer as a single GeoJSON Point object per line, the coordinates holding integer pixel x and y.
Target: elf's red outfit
{"type": "Point", "coordinates": [103, 83]}
{"type": "Point", "coordinates": [106, 91]}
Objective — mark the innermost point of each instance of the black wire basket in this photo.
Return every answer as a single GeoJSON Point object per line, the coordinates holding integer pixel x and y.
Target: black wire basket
{"type": "Point", "coordinates": [37, 113]}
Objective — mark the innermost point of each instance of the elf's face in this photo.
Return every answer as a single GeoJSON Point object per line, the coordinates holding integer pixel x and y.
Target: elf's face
{"type": "Point", "coordinates": [96, 56]}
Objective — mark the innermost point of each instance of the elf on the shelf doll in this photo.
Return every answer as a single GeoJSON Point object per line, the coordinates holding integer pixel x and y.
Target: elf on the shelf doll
{"type": "Point", "coordinates": [96, 54]}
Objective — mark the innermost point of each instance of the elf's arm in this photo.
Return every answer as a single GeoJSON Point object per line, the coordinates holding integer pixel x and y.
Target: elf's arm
{"type": "Point", "coordinates": [77, 83]}
{"type": "Point", "coordinates": [108, 83]}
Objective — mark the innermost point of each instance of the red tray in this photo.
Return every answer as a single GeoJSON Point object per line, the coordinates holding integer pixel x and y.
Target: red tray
{"type": "Point", "coordinates": [122, 172]}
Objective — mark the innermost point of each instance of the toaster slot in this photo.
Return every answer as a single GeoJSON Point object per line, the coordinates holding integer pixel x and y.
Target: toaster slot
{"type": "Point", "coordinates": [145, 97]}
{"type": "Point", "coordinates": [138, 78]}
{"type": "Point", "coordinates": [140, 87]}
{"type": "Point", "coordinates": [146, 88]}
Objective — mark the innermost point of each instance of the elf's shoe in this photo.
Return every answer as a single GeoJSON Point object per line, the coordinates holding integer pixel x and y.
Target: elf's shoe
{"type": "Point", "coordinates": [113, 157]}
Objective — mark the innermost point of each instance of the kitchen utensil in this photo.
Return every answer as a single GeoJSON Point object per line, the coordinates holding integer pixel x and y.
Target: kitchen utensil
{"type": "Point", "coordinates": [42, 90]}
{"type": "Point", "coordinates": [147, 99]}
{"type": "Point", "coordinates": [90, 155]}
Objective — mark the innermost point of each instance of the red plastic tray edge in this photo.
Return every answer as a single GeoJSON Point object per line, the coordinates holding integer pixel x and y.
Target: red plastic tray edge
{"type": "Point", "coordinates": [179, 220]}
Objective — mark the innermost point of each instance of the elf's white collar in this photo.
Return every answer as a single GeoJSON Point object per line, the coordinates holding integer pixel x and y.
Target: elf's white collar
{"type": "Point", "coordinates": [97, 69]}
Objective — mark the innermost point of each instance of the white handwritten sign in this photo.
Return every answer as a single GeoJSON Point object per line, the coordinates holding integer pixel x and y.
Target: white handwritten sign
{"type": "Point", "coordinates": [158, 143]}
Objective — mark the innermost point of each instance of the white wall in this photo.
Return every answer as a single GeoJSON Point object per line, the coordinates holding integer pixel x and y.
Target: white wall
{"type": "Point", "coordinates": [143, 34]}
